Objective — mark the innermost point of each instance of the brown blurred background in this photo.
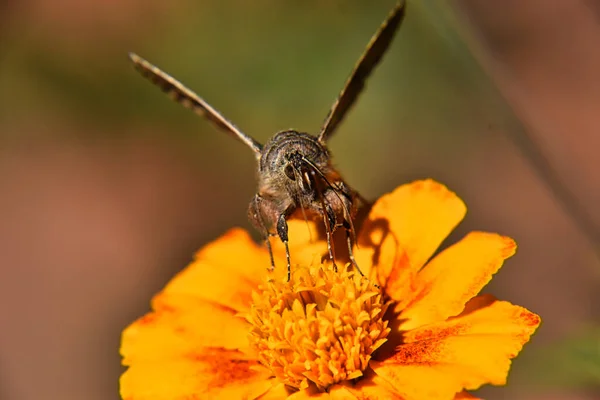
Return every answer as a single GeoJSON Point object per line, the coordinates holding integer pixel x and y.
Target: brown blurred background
{"type": "Point", "coordinates": [107, 188]}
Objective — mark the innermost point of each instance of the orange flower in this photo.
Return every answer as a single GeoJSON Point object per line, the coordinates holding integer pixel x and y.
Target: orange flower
{"type": "Point", "coordinates": [224, 328]}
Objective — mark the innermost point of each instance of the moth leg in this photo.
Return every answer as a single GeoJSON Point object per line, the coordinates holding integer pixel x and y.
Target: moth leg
{"type": "Point", "coordinates": [329, 220]}
{"type": "Point", "coordinates": [350, 251]}
{"type": "Point", "coordinates": [282, 231]}
{"type": "Point", "coordinates": [268, 243]}
{"type": "Point", "coordinates": [255, 216]}
{"type": "Point", "coordinates": [349, 240]}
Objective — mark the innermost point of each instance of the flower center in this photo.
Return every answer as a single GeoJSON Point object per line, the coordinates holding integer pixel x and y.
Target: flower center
{"type": "Point", "coordinates": [320, 327]}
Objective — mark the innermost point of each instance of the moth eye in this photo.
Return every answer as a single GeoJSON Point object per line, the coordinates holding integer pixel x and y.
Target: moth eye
{"type": "Point", "coordinates": [289, 172]}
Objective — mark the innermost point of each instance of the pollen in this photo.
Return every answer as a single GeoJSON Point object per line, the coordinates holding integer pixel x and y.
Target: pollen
{"type": "Point", "coordinates": [320, 328]}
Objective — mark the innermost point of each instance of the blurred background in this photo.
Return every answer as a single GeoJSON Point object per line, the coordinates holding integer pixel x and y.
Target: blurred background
{"type": "Point", "coordinates": [107, 187]}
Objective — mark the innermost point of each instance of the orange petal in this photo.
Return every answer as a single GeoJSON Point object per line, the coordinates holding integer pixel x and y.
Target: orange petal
{"type": "Point", "coordinates": [419, 382]}
{"type": "Point", "coordinates": [277, 392]}
{"type": "Point", "coordinates": [465, 352]}
{"type": "Point", "coordinates": [213, 374]}
{"type": "Point", "coordinates": [179, 325]}
{"type": "Point", "coordinates": [306, 394]}
{"type": "Point", "coordinates": [339, 392]}
{"type": "Point", "coordinates": [225, 271]}
{"type": "Point", "coordinates": [453, 277]}
{"type": "Point", "coordinates": [404, 229]}
{"type": "Point", "coordinates": [371, 387]}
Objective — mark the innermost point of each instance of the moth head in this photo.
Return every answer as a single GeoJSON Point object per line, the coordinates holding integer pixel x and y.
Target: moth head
{"type": "Point", "coordinates": [299, 170]}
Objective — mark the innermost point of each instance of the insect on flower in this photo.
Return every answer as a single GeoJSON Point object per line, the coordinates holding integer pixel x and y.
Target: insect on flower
{"type": "Point", "coordinates": [296, 177]}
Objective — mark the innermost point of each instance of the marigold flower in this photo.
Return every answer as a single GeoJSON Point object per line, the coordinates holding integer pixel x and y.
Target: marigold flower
{"type": "Point", "coordinates": [414, 328]}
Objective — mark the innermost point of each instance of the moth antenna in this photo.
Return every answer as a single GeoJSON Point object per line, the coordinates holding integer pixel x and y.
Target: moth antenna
{"type": "Point", "coordinates": [365, 65]}
{"type": "Point", "coordinates": [328, 229]}
{"type": "Point", "coordinates": [302, 209]}
{"type": "Point", "coordinates": [187, 98]}
{"type": "Point", "coordinates": [335, 191]}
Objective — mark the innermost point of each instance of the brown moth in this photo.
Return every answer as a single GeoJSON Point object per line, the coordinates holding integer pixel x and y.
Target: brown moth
{"type": "Point", "coordinates": [296, 177]}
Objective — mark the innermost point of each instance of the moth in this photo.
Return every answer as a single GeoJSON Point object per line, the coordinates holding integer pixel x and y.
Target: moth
{"type": "Point", "coordinates": [296, 177]}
